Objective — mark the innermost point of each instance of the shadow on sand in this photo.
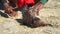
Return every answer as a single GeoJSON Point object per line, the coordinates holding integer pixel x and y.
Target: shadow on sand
{"type": "Point", "coordinates": [3, 14]}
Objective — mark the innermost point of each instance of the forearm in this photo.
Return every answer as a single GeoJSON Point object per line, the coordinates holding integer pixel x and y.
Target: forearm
{"type": "Point", "coordinates": [37, 6]}
{"type": "Point", "coordinates": [6, 5]}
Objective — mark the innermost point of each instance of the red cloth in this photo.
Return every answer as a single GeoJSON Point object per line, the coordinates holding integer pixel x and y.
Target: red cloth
{"type": "Point", "coordinates": [29, 1]}
{"type": "Point", "coordinates": [21, 3]}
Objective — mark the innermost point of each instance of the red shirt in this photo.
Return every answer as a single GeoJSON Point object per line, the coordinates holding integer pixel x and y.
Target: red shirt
{"type": "Point", "coordinates": [21, 3]}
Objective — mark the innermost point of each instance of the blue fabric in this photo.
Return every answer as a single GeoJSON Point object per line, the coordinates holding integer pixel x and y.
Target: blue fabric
{"type": "Point", "coordinates": [1, 3]}
{"type": "Point", "coordinates": [1, 6]}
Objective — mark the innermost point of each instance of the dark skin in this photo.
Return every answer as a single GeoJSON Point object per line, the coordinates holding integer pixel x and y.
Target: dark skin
{"type": "Point", "coordinates": [9, 9]}
{"type": "Point", "coordinates": [38, 6]}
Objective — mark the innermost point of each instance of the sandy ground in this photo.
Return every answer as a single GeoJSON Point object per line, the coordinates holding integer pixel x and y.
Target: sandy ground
{"type": "Point", "coordinates": [50, 14]}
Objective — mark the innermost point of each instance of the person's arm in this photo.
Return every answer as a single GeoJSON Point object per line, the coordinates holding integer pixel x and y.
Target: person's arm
{"type": "Point", "coordinates": [39, 4]}
{"type": "Point", "coordinates": [6, 5]}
